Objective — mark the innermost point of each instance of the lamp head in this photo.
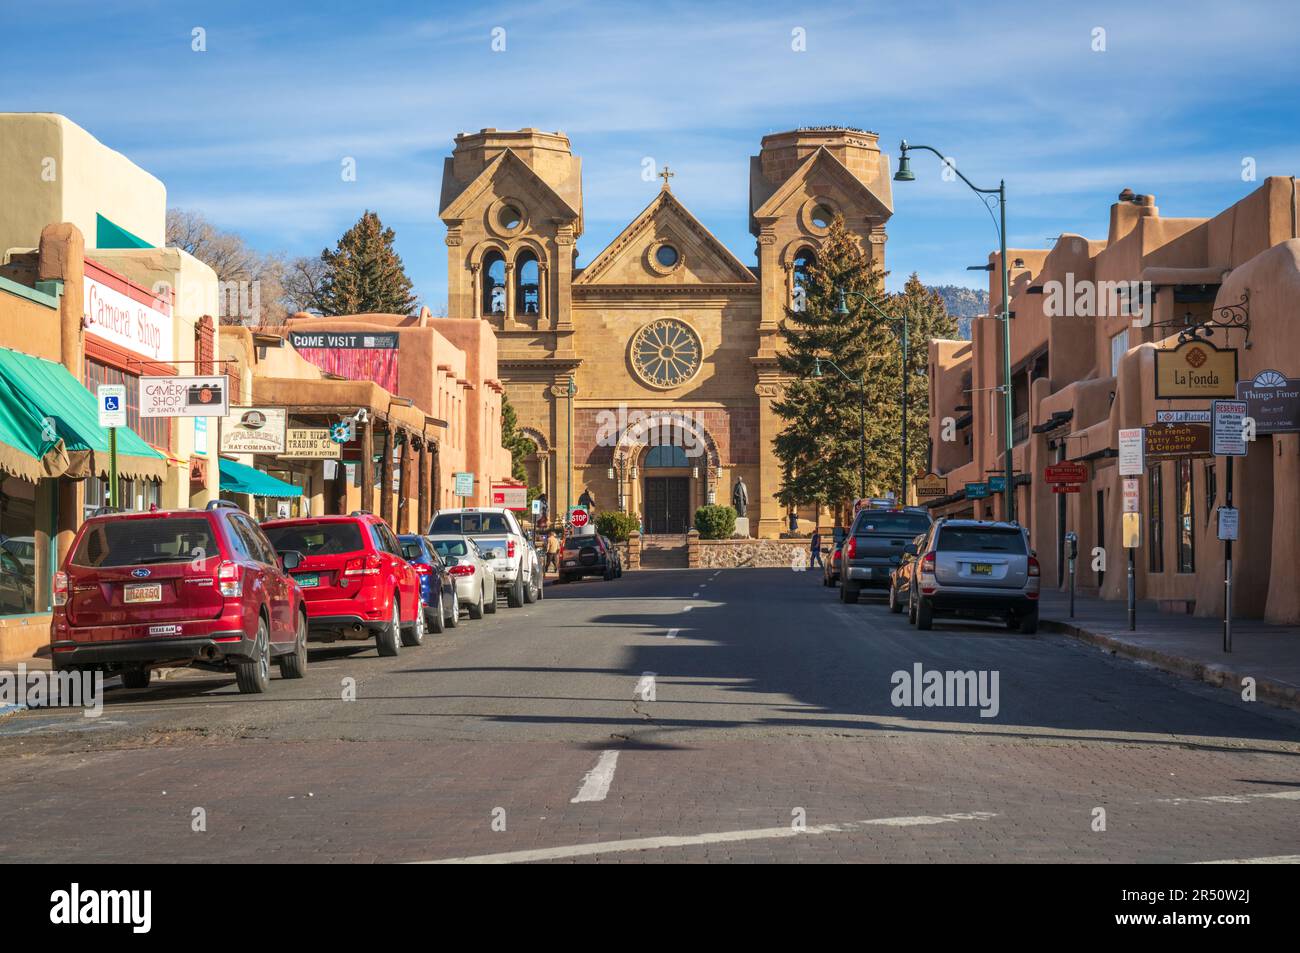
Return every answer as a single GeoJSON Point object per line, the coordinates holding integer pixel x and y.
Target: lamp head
{"type": "Point", "coordinates": [904, 173]}
{"type": "Point", "coordinates": [817, 367]}
{"type": "Point", "coordinates": [841, 306]}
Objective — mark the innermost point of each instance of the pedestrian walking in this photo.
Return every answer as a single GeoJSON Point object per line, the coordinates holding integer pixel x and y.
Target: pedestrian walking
{"type": "Point", "coordinates": [552, 553]}
{"type": "Point", "coordinates": [816, 546]}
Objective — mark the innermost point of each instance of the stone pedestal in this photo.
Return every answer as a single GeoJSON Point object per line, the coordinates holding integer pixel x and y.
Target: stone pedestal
{"type": "Point", "coordinates": [742, 526]}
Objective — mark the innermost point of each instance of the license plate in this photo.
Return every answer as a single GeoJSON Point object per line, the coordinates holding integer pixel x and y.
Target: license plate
{"type": "Point", "coordinates": [981, 569]}
{"type": "Point", "coordinates": [143, 592]}
{"type": "Point", "coordinates": [164, 630]}
{"type": "Point", "coordinates": [308, 579]}
{"type": "Point", "coordinates": [570, 562]}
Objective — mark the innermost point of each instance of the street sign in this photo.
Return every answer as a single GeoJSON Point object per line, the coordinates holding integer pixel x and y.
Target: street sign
{"type": "Point", "coordinates": [977, 491]}
{"type": "Point", "coordinates": [1132, 530]}
{"type": "Point", "coordinates": [464, 484]}
{"type": "Point", "coordinates": [1065, 472]}
{"type": "Point", "coordinates": [1167, 441]}
{"type": "Point", "coordinates": [185, 396]}
{"type": "Point", "coordinates": [1131, 444]}
{"type": "Point", "coordinates": [931, 487]}
{"type": "Point", "coordinates": [112, 404]}
{"type": "Point", "coordinates": [1230, 428]}
{"type": "Point", "coordinates": [537, 507]}
{"type": "Point", "coordinates": [997, 484]}
{"type": "Point", "coordinates": [1182, 416]}
{"type": "Point", "coordinates": [1196, 369]}
{"type": "Point", "coordinates": [1229, 522]}
{"type": "Point", "coordinates": [1066, 488]}
{"type": "Point", "coordinates": [1131, 495]}
{"type": "Point", "coordinates": [578, 517]}
{"type": "Point", "coordinates": [1273, 402]}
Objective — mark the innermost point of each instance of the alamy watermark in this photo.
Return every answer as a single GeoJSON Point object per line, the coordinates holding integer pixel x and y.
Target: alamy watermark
{"type": "Point", "coordinates": [640, 428]}
{"type": "Point", "coordinates": [40, 688]}
{"type": "Point", "coordinates": [1086, 298]}
{"type": "Point", "coordinates": [947, 689]}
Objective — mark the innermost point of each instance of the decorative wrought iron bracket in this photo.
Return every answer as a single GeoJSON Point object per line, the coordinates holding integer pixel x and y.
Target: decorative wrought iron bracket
{"type": "Point", "coordinates": [1228, 317]}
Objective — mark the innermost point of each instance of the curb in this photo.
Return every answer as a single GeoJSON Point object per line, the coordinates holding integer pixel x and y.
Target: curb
{"type": "Point", "coordinates": [1267, 690]}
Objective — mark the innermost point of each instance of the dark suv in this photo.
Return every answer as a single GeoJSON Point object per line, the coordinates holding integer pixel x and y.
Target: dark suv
{"type": "Point", "coordinates": [355, 579]}
{"type": "Point", "coordinates": [875, 544]}
{"type": "Point", "coordinates": [586, 554]}
{"type": "Point", "coordinates": [202, 587]}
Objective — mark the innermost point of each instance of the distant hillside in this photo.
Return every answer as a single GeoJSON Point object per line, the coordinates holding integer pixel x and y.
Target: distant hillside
{"type": "Point", "coordinates": [963, 304]}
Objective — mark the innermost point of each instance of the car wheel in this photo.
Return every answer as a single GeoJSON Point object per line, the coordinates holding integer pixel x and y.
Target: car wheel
{"type": "Point", "coordinates": [515, 594]}
{"type": "Point", "coordinates": [137, 677]}
{"type": "Point", "coordinates": [924, 615]}
{"type": "Point", "coordinates": [894, 605]}
{"type": "Point", "coordinates": [490, 606]}
{"type": "Point", "coordinates": [476, 610]}
{"type": "Point", "coordinates": [389, 638]}
{"type": "Point", "coordinates": [436, 622]}
{"type": "Point", "coordinates": [911, 609]}
{"type": "Point", "coordinates": [530, 591]}
{"type": "Point", "coordinates": [294, 665]}
{"type": "Point", "coordinates": [413, 636]}
{"type": "Point", "coordinates": [848, 594]}
{"type": "Point", "coordinates": [254, 676]}
{"type": "Point", "coordinates": [453, 619]}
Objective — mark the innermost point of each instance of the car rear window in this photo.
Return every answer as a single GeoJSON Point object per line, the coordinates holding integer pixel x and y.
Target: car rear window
{"type": "Point", "coordinates": [450, 548]}
{"type": "Point", "coordinates": [905, 524]}
{"type": "Point", "coordinates": [577, 542]}
{"type": "Point", "coordinates": [973, 539]}
{"type": "Point", "coordinates": [470, 524]}
{"type": "Point", "coordinates": [315, 539]}
{"type": "Point", "coordinates": [136, 542]}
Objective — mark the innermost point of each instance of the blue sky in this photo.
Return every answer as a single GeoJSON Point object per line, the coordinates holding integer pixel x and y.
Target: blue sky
{"type": "Point", "coordinates": [253, 131]}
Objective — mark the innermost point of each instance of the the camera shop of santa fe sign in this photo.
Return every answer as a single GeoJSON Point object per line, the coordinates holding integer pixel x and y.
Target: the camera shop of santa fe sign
{"type": "Point", "coordinates": [185, 396]}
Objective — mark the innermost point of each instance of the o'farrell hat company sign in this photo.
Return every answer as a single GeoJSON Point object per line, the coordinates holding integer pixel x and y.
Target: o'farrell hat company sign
{"type": "Point", "coordinates": [1196, 369]}
{"type": "Point", "coordinates": [253, 430]}
{"type": "Point", "coordinates": [184, 396]}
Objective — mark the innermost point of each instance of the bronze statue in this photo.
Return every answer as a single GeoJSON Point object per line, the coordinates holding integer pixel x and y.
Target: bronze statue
{"type": "Point", "coordinates": [740, 497]}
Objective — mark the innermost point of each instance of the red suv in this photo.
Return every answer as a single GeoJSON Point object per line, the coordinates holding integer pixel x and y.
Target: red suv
{"type": "Point", "coordinates": [355, 579]}
{"type": "Point", "coordinates": [201, 587]}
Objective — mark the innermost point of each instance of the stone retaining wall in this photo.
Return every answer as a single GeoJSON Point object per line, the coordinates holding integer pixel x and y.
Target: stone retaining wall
{"type": "Point", "coordinates": [755, 553]}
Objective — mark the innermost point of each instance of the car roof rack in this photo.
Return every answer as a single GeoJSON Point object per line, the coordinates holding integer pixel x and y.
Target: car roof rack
{"type": "Point", "coordinates": [361, 513]}
{"type": "Point", "coordinates": [221, 505]}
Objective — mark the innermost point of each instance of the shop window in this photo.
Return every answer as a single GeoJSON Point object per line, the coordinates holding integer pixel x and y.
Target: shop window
{"type": "Point", "coordinates": [1118, 348]}
{"type": "Point", "coordinates": [1156, 521]}
{"type": "Point", "coordinates": [1186, 531]}
{"type": "Point", "coordinates": [17, 546]}
{"type": "Point", "coordinates": [527, 284]}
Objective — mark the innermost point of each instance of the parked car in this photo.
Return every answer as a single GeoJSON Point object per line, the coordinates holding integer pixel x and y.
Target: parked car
{"type": "Point", "coordinates": [17, 589]}
{"type": "Point", "coordinates": [831, 567]}
{"type": "Point", "coordinates": [976, 569]}
{"type": "Point", "coordinates": [437, 585]}
{"type": "Point", "coordinates": [476, 583]}
{"type": "Point", "coordinates": [355, 579]}
{"type": "Point", "coordinates": [514, 561]}
{"type": "Point", "coordinates": [900, 580]}
{"type": "Point", "coordinates": [874, 545]}
{"type": "Point", "coordinates": [23, 549]}
{"type": "Point", "coordinates": [585, 554]}
{"type": "Point", "coordinates": [615, 554]}
{"type": "Point", "coordinates": [206, 587]}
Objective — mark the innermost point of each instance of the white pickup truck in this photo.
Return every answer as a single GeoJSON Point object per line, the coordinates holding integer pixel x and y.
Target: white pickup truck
{"type": "Point", "coordinates": [496, 531]}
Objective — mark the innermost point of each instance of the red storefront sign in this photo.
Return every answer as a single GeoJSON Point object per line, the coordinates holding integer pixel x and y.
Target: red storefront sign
{"type": "Point", "coordinates": [1066, 472]}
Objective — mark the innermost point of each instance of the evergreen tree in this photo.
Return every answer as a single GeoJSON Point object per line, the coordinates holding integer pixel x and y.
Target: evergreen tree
{"type": "Point", "coordinates": [364, 274]}
{"type": "Point", "coordinates": [520, 447]}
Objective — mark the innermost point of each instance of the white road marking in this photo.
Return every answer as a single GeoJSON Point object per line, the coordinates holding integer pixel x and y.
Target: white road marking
{"type": "Point", "coordinates": [596, 782]}
{"type": "Point", "coordinates": [687, 609]}
{"type": "Point", "coordinates": [1279, 859]}
{"type": "Point", "coordinates": [645, 687]}
{"type": "Point", "coordinates": [672, 633]}
{"type": "Point", "coordinates": [692, 840]}
{"type": "Point", "coordinates": [695, 594]}
{"type": "Point", "coordinates": [1233, 798]}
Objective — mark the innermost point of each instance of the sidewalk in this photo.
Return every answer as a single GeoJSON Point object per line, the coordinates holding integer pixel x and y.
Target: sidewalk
{"type": "Point", "coordinates": [1186, 645]}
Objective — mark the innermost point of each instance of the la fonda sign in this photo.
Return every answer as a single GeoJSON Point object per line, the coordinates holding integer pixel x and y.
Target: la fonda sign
{"type": "Point", "coordinates": [128, 316]}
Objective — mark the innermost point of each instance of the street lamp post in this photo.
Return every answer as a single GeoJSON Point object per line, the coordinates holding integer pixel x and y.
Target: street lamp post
{"type": "Point", "coordinates": [842, 309]}
{"type": "Point", "coordinates": [862, 419]}
{"type": "Point", "coordinates": [568, 479]}
{"type": "Point", "coordinates": [904, 174]}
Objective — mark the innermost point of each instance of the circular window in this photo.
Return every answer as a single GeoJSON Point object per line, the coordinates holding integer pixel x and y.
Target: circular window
{"type": "Point", "coordinates": [666, 353]}
{"type": "Point", "coordinates": [667, 255]}
{"type": "Point", "coordinates": [509, 217]}
{"type": "Point", "coordinates": [822, 216]}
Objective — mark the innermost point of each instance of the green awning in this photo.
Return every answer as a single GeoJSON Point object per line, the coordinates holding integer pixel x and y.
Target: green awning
{"type": "Point", "coordinates": [49, 426]}
{"type": "Point", "coordinates": [237, 478]}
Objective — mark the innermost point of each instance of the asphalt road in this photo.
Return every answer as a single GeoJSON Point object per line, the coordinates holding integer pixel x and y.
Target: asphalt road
{"type": "Point", "coordinates": [666, 716]}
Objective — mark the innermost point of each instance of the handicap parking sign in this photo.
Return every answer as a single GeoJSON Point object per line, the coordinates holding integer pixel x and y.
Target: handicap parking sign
{"type": "Point", "coordinates": [112, 405]}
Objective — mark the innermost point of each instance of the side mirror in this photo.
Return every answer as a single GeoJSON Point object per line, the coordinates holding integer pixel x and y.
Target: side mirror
{"type": "Point", "coordinates": [290, 560]}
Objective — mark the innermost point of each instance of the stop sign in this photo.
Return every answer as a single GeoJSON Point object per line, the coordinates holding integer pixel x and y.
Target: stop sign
{"type": "Point", "coordinates": [579, 517]}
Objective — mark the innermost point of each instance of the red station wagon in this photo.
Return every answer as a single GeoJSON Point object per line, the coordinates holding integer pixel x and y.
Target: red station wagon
{"type": "Point", "coordinates": [201, 587]}
{"type": "Point", "coordinates": [354, 578]}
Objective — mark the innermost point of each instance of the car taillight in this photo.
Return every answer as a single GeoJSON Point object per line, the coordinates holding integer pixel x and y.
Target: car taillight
{"type": "Point", "coordinates": [461, 570]}
{"type": "Point", "coordinates": [229, 581]}
{"type": "Point", "coordinates": [60, 588]}
{"type": "Point", "coordinates": [362, 566]}
{"type": "Point", "coordinates": [1034, 569]}
{"type": "Point", "coordinates": [851, 550]}
{"type": "Point", "coordinates": [422, 569]}
{"type": "Point", "coordinates": [927, 563]}
{"type": "Point", "coordinates": [510, 549]}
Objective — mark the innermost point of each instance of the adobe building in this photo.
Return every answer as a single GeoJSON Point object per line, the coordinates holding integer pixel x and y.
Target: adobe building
{"type": "Point", "coordinates": [656, 361]}
{"type": "Point", "coordinates": [1088, 319]}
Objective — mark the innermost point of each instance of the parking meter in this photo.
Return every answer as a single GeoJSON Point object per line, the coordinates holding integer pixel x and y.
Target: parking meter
{"type": "Point", "coordinates": [1071, 554]}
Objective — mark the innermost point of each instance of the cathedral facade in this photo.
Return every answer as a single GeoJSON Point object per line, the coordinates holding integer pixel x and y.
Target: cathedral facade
{"type": "Point", "coordinates": [646, 378]}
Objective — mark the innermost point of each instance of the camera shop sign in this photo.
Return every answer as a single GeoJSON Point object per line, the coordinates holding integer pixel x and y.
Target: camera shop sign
{"type": "Point", "coordinates": [1195, 369]}
{"type": "Point", "coordinates": [1273, 401]}
{"type": "Point", "coordinates": [253, 430]}
{"type": "Point", "coordinates": [184, 396]}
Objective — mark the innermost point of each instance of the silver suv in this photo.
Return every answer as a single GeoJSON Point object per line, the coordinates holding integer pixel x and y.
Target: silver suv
{"type": "Point", "coordinates": [975, 569]}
